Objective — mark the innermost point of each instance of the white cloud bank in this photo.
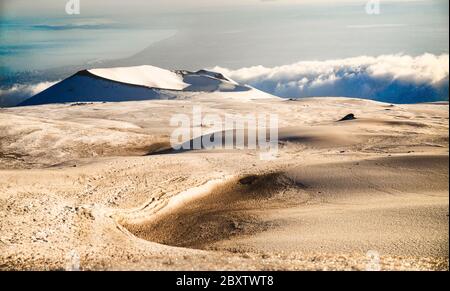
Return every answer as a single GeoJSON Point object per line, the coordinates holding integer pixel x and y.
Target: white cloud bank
{"type": "Point", "coordinates": [388, 78]}
{"type": "Point", "coordinates": [19, 92]}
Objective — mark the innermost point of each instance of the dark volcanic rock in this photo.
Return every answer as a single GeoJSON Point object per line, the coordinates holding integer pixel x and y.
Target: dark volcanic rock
{"type": "Point", "coordinates": [350, 116]}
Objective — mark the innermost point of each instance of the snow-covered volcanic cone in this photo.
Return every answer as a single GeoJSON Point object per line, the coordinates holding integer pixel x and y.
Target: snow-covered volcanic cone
{"type": "Point", "coordinates": [132, 84]}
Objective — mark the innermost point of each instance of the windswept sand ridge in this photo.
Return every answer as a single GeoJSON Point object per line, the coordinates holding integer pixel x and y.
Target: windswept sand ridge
{"type": "Point", "coordinates": [252, 205]}
{"type": "Point", "coordinates": [336, 190]}
{"type": "Point", "coordinates": [209, 217]}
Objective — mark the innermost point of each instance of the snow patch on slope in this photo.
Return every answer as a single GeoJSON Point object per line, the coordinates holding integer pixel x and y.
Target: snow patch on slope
{"type": "Point", "coordinates": [147, 76]}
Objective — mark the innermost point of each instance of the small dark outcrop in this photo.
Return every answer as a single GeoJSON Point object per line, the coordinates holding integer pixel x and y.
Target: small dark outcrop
{"type": "Point", "coordinates": [350, 116]}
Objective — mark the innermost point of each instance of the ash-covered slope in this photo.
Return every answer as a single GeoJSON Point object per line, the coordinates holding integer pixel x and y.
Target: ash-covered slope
{"type": "Point", "coordinates": [132, 84]}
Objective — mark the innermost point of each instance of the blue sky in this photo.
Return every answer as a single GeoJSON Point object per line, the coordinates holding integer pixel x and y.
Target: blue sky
{"type": "Point", "coordinates": [224, 33]}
